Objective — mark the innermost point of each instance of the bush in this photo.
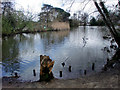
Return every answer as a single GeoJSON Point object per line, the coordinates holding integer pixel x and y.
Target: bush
{"type": "Point", "coordinates": [74, 23]}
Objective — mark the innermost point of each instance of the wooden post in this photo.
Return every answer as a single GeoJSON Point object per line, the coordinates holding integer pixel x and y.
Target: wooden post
{"type": "Point", "coordinates": [63, 64]}
{"type": "Point", "coordinates": [69, 68]}
{"type": "Point", "coordinates": [16, 75]}
{"type": "Point", "coordinates": [34, 73]}
{"type": "Point", "coordinates": [93, 66]}
{"type": "Point", "coordinates": [60, 73]}
{"type": "Point", "coordinates": [85, 72]}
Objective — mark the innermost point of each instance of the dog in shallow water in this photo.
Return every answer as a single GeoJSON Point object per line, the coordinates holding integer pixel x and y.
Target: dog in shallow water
{"type": "Point", "coordinates": [46, 65]}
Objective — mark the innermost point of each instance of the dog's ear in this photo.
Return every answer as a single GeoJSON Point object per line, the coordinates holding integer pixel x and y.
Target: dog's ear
{"type": "Point", "coordinates": [41, 57]}
{"type": "Point", "coordinates": [47, 57]}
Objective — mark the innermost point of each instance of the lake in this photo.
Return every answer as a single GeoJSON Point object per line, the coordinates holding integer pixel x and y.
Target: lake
{"type": "Point", "coordinates": [78, 48]}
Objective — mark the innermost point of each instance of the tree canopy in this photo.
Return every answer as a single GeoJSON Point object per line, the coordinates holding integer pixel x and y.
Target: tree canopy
{"type": "Point", "coordinates": [50, 13]}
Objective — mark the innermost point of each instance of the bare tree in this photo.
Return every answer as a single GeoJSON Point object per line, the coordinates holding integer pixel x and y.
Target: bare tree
{"type": "Point", "coordinates": [105, 15]}
{"type": "Point", "coordinates": [108, 21]}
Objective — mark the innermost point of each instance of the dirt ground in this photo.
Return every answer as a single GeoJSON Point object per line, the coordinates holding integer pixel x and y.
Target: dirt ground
{"type": "Point", "coordinates": [105, 79]}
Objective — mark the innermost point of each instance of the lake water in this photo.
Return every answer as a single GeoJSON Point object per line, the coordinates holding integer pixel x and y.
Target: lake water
{"type": "Point", "coordinates": [81, 47]}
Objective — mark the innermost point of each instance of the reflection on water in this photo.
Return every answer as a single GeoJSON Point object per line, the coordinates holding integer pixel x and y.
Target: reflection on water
{"type": "Point", "coordinates": [78, 48]}
{"type": "Point", "coordinates": [9, 55]}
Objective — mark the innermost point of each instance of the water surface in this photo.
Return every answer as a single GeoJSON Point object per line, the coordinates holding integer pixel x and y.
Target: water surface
{"type": "Point", "coordinates": [80, 46]}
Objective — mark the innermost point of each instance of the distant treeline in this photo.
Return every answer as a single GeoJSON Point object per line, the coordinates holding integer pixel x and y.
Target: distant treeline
{"type": "Point", "coordinates": [81, 18]}
{"type": "Point", "coordinates": [50, 14]}
{"type": "Point", "coordinates": [94, 22]}
{"type": "Point", "coordinates": [17, 21]}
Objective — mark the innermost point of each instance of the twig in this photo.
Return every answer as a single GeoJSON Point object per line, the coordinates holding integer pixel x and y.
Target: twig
{"type": "Point", "coordinates": [66, 59]}
{"type": "Point", "coordinates": [85, 5]}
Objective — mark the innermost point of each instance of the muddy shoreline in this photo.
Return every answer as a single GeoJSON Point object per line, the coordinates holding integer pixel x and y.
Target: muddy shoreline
{"type": "Point", "coordinates": [104, 79]}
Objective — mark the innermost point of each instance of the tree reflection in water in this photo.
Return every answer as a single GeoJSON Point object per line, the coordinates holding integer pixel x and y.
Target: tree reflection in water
{"type": "Point", "coordinates": [53, 38]}
{"type": "Point", "coordinates": [10, 53]}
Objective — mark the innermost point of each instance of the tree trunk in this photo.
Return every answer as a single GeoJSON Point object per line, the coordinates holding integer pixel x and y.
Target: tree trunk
{"type": "Point", "coordinates": [105, 14]}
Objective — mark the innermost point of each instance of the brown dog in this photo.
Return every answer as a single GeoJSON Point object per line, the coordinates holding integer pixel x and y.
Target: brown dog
{"type": "Point", "coordinates": [46, 68]}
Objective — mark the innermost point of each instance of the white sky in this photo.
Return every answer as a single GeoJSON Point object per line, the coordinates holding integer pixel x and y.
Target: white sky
{"type": "Point", "coordinates": [34, 6]}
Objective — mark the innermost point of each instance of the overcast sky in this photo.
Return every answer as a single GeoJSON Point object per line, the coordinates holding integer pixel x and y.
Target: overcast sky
{"type": "Point", "coordinates": [34, 6]}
